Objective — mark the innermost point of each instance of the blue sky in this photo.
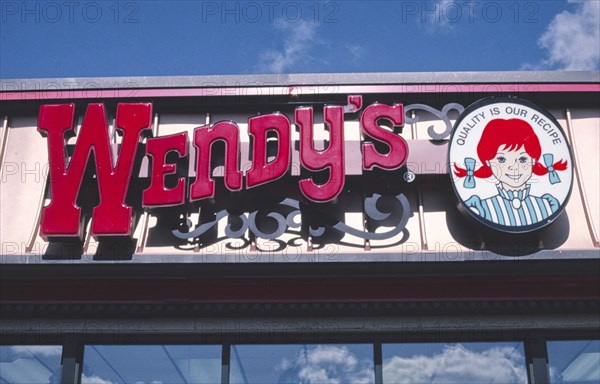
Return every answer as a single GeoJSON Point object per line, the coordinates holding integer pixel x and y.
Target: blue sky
{"type": "Point", "coordinates": [154, 38]}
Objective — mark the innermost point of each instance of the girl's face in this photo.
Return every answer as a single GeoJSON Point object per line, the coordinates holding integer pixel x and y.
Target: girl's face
{"type": "Point", "coordinates": [512, 168]}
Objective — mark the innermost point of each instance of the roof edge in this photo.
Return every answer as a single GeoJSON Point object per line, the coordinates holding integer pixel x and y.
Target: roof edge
{"type": "Point", "coordinates": [320, 79]}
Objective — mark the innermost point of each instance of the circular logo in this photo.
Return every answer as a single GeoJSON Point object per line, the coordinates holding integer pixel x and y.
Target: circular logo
{"type": "Point", "coordinates": [510, 164]}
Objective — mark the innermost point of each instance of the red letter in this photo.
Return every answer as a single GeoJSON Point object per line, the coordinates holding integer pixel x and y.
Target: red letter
{"type": "Point", "coordinates": [263, 171]}
{"type": "Point", "coordinates": [156, 194]}
{"type": "Point", "coordinates": [204, 137]}
{"type": "Point", "coordinates": [112, 216]}
{"type": "Point", "coordinates": [398, 153]}
{"type": "Point", "coordinates": [332, 157]}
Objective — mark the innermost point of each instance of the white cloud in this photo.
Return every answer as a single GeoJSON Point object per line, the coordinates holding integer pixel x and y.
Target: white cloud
{"type": "Point", "coordinates": [440, 16]}
{"type": "Point", "coordinates": [573, 39]}
{"type": "Point", "coordinates": [448, 11]}
{"type": "Point", "coordinates": [98, 380]}
{"type": "Point", "coordinates": [327, 365]}
{"type": "Point", "coordinates": [39, 350]}
{"type": "Point", "coordinates": [356, 51]}
{"type": "Point", "coordinates": [304, 49]}
{"type": "Point", "coordinates": [94, 380]}
{"type": "Point", "coordinates": [456, 364]}
{"type": "Point", "coordinates": [299, 38]}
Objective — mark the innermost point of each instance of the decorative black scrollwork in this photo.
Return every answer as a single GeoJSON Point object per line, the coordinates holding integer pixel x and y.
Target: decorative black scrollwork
{"type": "Point", "coordinates": [375, 214]}
{"type": "Point", "coordinates": [284, 222]}
{"type": "Point", "coordinates": [443, 115]}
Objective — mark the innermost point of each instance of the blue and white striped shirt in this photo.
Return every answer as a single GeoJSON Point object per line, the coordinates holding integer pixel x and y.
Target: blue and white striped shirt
{"type": "Point", "coordinates": [514, 208]}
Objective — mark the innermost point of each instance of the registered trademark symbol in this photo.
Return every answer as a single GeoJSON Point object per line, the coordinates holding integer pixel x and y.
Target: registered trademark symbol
{"type": "Point", "coordinates": [409, 177]}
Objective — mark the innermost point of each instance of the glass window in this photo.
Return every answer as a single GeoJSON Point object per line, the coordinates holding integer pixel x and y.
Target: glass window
{"type": "Point", "coordinates": [575, 361]}
{"type": "Point", "coordinates": [26, 364]}
{"type": "Point", "coordinates": [312, 363]}
{"type": "Point", "coordinates": [454, 363]}
{"type": "Point", "coordinates": [151, 364]}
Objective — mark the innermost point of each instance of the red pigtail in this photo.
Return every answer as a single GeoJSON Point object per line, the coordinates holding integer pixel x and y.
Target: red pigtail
{"type": "Point", "coordinates": [540, 170]}
{"type": "Point", "coordinates": [483, 172]}
{"type": "Point", "coordinates": [459, 172]}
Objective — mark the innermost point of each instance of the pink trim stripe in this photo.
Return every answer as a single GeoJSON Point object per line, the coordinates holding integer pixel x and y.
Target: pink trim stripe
{"type": "Point", "coordinates": [317, 90]}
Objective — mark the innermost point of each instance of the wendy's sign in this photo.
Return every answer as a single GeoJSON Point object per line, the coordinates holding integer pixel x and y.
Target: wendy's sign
{"type": "Point", "coordinates": [509, 161]}
{"type": "Point", "coordinates": [510, 164]}
{"type": "Point", "coordinates": [113, 217]}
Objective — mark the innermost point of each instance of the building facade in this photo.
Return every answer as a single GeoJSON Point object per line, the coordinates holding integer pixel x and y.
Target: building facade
{"type": "Point", "coordinates": [301, 229]}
